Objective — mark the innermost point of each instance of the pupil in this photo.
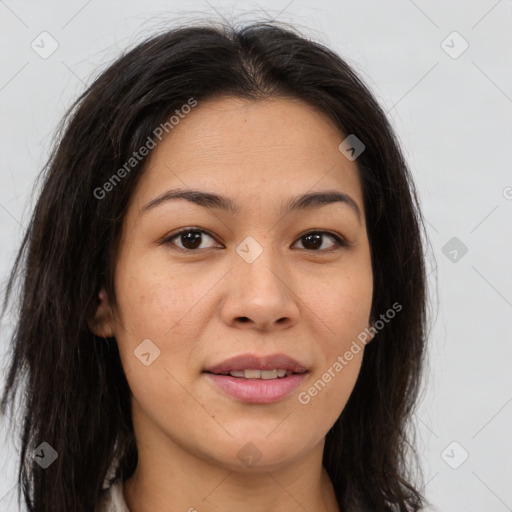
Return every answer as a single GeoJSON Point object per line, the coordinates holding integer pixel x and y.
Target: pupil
{"type": "Point", "coordinates": [192, 238]}
{"type": "Point", "coordinates": [317, 243]}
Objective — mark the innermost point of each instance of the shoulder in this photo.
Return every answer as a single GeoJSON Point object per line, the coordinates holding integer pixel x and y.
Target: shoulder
{"type": "Point", "coordinates": [112, 498]}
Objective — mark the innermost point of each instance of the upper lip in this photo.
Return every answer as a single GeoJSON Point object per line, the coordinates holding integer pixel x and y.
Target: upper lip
{"type": "Point", "coordinates": [253, 362]}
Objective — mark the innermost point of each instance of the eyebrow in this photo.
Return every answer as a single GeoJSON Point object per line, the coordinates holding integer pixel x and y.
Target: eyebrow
{"type": "Point", "coordinates": [216, 201]}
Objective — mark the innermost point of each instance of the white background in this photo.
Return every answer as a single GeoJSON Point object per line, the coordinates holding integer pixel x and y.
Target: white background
{"type": "Point", "coordinates": [453, 117]}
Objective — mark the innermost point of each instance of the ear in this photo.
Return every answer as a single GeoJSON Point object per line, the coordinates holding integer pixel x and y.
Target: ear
{"type": "Point", "coordinates": [102, 323]}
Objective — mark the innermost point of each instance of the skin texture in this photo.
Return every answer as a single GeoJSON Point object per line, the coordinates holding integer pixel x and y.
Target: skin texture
{"type": "Point", "coordinates": [203, 307]}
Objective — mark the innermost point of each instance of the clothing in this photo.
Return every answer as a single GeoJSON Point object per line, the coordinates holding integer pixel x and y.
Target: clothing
{"type": "Point", "coordinates": [112, 498]}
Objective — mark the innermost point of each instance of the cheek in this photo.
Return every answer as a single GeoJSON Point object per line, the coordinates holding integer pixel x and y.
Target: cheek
{"type": "Point", "coordinates": [342, 316]}
{"type": "Point", "coordinates": [332, 381]}
{"type": "Point", "coordinates": [343, 309]}
{"type": "Point", "coordinates": [156, 299]}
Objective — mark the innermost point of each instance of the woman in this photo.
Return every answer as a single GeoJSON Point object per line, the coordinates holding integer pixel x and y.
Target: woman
{"type": "Point", "coordinates": [226, 226]}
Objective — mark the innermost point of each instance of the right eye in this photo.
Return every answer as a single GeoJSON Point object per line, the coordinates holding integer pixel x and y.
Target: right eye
{"type": "Point", "coordinates": [190, 239]}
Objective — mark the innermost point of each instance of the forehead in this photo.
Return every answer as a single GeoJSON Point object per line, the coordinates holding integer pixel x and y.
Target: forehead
{"type": "Point", "coordinates": [274, 148]}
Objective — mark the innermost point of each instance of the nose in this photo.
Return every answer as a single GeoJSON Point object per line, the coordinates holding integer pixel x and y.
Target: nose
{"type": "Point", "coordinates": [260, 295]}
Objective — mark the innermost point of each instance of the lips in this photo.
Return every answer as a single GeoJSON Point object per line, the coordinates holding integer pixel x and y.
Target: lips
{"type": "Point", "coordinates": [257, 380]}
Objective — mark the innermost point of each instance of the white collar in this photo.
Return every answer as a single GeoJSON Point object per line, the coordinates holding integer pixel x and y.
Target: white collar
{"type": "Point", "coordinates": [112, 498]}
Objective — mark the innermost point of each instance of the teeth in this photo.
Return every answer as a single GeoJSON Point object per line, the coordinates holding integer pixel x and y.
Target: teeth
{"type": "Point", "coordinates": [260, 374]}
{"type": "Point", "coordinates": [252, 374]}
{"type": "Point", "coordinates": [268, 374]}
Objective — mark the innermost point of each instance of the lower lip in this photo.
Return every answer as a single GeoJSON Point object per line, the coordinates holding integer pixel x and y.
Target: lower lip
{"type": "Point", "coordinates": [257, 391]}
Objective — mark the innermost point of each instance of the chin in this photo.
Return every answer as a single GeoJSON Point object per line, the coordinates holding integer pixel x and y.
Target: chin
{"type": "Point", "coordinates": [261, 453]}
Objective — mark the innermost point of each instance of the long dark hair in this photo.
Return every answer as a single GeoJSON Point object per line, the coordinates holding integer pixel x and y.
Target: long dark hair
{"type": "Point", "coordinates": [76, 395]}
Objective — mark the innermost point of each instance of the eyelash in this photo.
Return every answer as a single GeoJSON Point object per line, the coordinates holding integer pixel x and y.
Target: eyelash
{"type": "Point", "coordinates": [339, 241]}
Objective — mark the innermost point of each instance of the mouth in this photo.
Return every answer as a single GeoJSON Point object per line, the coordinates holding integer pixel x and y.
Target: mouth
{"type": "Point", "coordinates": [254, 373]}
{"type": "Point", "coordinates": [253, 379]}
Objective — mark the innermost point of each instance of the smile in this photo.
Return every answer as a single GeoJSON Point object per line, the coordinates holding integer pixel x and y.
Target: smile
{"type": "Point", "coordinates": [257, 380]}
{"type": "Point", "coordinates": [260, 374]}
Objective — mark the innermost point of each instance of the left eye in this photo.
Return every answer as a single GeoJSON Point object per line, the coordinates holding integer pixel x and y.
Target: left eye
{"type": "Point", "coordinates": [191, 240]}
{"type": "Point", "coordinates": [314, 238]}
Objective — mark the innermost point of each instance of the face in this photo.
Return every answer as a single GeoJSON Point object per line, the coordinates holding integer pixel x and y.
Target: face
{"type": "Point", "coordinates": [215, 295]}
